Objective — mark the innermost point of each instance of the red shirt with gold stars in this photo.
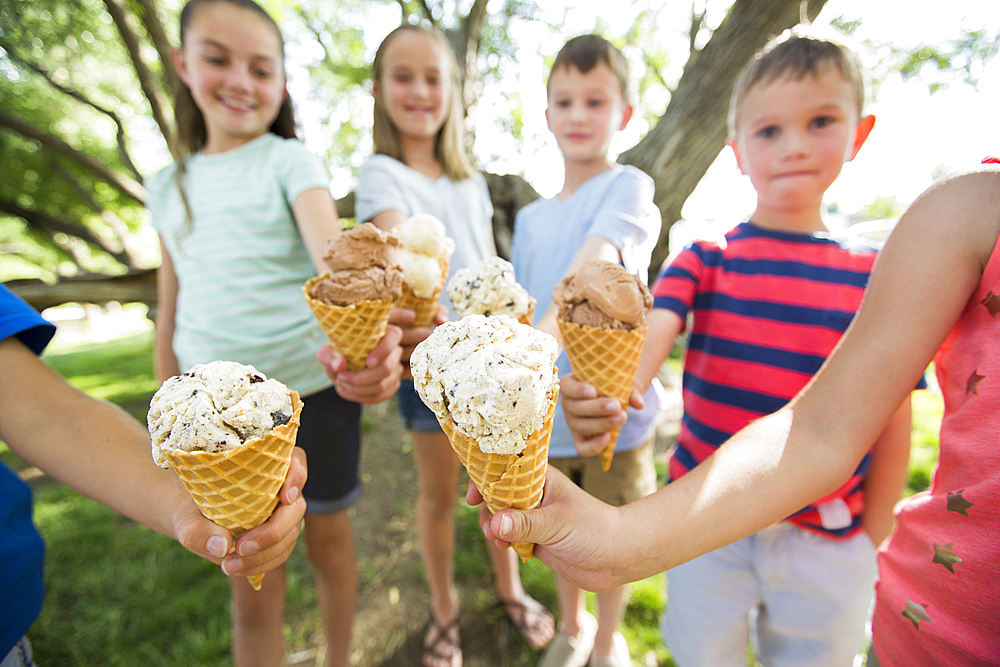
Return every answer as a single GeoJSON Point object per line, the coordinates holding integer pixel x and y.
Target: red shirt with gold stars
{"type": "Point", "coordinates": [938, 595]}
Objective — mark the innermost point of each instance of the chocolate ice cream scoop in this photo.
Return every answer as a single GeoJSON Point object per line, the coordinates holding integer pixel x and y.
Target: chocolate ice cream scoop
{"type": "Point", "coordinates": [364, 266]}
{"type": "Point", "coordinates": [604, 295]}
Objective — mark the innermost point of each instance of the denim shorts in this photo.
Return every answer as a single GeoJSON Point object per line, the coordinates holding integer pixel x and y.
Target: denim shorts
{"type": "Point", "coordinates": [416, 416]}
{"type": "Point", "coordinates": [330, 434]}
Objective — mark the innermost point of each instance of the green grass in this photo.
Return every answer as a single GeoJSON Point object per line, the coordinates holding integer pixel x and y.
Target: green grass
{"type": "Point", "coordinates": [156, 603]}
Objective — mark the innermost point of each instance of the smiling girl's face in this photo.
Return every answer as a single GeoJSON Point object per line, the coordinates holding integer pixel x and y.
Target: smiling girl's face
{"type": "Point", "coordinates": [232, 61]}
{"type": "Point", "coordinates": [415, 86]}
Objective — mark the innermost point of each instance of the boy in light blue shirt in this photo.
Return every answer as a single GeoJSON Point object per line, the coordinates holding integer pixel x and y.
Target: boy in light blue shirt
{"type": "Point", "coordinates": [604, 211]}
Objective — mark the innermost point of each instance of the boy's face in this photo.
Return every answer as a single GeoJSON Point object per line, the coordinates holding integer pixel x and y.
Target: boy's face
{"type": "Point", "coordinates": [793, 137]}
{"type": "Point", "coordinates": [585, 110]}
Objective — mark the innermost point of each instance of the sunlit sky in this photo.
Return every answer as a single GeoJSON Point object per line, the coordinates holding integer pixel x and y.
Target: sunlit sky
{"type": "Point", "coordinates": [916, 135]}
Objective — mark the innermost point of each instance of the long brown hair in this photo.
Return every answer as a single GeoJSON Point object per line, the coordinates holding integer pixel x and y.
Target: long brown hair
{"type": "Point", "coordinates": [449, 146]}
{"type": "Point", "coordinates": [191, 129]}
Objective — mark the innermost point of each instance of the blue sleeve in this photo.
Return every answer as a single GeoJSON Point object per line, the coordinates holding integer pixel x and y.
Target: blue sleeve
{"type": "Point", "coordinates": [19, 319]}
{"type": "Point", "coordinates": [378, 190]}
{"type": "Point", "coordinates": [630, 220]}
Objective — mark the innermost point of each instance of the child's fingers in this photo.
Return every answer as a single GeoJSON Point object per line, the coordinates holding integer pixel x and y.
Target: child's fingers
{"type": "Point", "coordinates": [636, 400]}
{"type": "Point", "coordinates": [291, 489]}
{"type": "Point", "coordinates": [591, 446]}
{"type": "Point", "coordinates": [571, 387]}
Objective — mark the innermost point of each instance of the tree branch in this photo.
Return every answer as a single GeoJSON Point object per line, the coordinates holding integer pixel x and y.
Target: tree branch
{"type": "Point", "coordinates": [80, 97]}
{"type": "Point", "coordinates": [154, 28]}
{"type": "Point", "coordinates": [123, 183]}
{"type": "Point", "coordinates": [47, 223]}
{"type": "Point", "coordinates": [147, 81]}
{"type": "Point", "coordinates": [116, 224]}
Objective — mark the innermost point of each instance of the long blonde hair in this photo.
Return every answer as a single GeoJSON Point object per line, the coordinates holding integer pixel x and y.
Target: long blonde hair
{"type": "Point", "coordinates": [449, 146]}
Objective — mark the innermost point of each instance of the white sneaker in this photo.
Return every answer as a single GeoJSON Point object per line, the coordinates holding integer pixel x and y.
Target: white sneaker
{"type": "Point", "coordinates": [564, 651]}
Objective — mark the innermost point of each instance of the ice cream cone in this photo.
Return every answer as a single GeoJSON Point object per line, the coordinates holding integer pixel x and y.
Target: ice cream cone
{"type": "Point", "coordinates": [238, 489]}
{"type": "Point", "coordinates": [529, 316]}
{"type": "Point", "coordinates": [507, 480]}
{"type": "Point", "coordinates": [424, 307]}
{"type": "Point", "coordinates": [352, 330]}
{"type": "Point", "coordinates": [606, 359]}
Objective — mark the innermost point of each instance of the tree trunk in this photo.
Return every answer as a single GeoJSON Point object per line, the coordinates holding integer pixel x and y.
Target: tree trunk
{"type": "Point", "coordinates": [692, 131]}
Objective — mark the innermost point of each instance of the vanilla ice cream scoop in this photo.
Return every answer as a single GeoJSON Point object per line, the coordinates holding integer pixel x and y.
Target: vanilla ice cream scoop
{"type": "Point", "coordinates": [492, 376]}
{"type": "Point", "coordinates": [425, 249]}
{"type": "Point", "coordinates": [488, 288]}
{"type": "Point", "coordinates": [215, 407]}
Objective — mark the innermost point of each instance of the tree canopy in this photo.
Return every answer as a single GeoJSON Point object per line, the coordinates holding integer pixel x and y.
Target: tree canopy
{"type": "Point", "coordinates": [86, 92]}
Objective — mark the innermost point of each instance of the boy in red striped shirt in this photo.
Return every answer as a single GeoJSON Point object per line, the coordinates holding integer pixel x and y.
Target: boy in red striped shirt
{"type": "Point", "coordinates": [767, 306]}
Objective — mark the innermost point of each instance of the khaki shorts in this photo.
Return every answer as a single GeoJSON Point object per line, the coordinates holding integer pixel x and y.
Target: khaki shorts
{"type": "Point", "coordinates": [632, 475]}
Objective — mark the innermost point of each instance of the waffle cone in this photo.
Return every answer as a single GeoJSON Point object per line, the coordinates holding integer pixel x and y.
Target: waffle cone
{"type": "Point", "coordinates": [424, 307]}
{"type": "Point", "coordinates": [238, 489]}
{"type": "Point", "coordinates": [607, 359]}
{"type": "Point", "coordinates": [529, 316]}
{"type": "Point", "coordinates": [352, 330]}
{"type": "Point", "coordinates": [507, 480]}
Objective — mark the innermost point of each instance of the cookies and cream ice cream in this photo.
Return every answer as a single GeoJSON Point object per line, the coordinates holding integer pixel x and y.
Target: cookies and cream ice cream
{"type": "Point", "coordinates": [604, 295]}
{"type": "Point", "coordinates": [424, 253]}
{"type": "Point", "coordinates": [364, 266]}
{"type": "Point", "coordinates": [489, 288]}
{"type": "Point", "coordinates": [215, 407]}
{"type": "Point", "coordinates": [492, 376]}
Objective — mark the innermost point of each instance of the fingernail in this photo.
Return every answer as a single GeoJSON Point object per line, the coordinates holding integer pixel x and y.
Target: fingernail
{"type": "Point", "coordinates": [248, 548]}
{"type": "Point", "coordinates": [621, 418]}
{"type": "Point", "coordinates": [216, 546]}
{"type": "Point", "coordinates": [506, 525]}
{"type": "Point", "coordinates": [293, 494]}
{"type": "Point", "coordinates": [590, 392]}
{"type": "Point", "coordinates": [484, 526]}
{"type": "Point", "coordinates": [231, 566]}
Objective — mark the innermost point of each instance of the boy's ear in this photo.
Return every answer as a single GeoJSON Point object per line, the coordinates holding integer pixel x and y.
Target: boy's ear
{"type": "Point", "coordinates": [739, 158]}
{"type": "Point", "coordinates": [861, 133]}
{"type": "Point", "coordinates": [626, 115]}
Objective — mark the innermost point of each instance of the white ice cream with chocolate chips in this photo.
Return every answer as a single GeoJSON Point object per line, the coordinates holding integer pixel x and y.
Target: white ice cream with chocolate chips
{"type": "Point", "coordinates": [215, 407]}
{"type": "Point", "coordinates": [490, 375]}
{"type": "Point", "coordinates": [488, 288]}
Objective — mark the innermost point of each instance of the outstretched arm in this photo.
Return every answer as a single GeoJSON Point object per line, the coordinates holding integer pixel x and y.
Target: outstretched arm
{"type": "Point", "coordinates": [316, 216]}
{"type": "Point", "coordinates": [102, 452]}
{"type": "Point", "coordinates": [595, 247]}
{"type": "Point", "coordinates": [923, 279]}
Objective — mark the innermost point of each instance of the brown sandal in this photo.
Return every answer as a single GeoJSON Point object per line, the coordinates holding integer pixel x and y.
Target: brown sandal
{"type": "Point", "coordinates": [451, 648]}
{"type": "Point", "coordinates": [531, 613]}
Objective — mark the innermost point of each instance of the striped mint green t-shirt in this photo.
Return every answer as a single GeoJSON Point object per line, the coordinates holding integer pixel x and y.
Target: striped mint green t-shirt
{"type": "Point", "coordinates": [241, 262]}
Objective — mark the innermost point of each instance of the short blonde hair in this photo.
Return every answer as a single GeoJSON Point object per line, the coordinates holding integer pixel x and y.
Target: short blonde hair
{"type": "Point", "coordinates": [796, 53]}
{"type": "Point", "coordinates": [449, 147]}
